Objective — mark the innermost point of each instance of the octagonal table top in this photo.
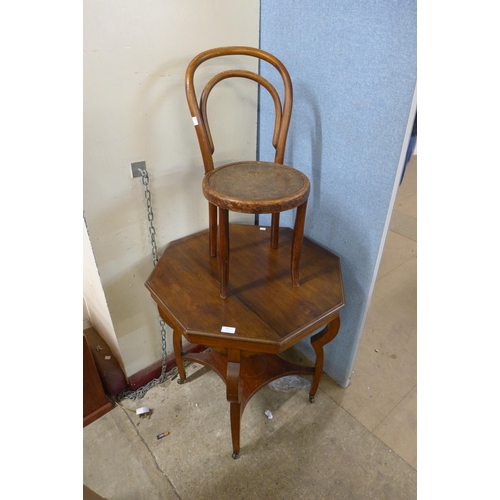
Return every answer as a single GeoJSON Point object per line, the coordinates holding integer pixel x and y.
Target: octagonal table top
{"type": "Point", "coordinates": [263, 312]}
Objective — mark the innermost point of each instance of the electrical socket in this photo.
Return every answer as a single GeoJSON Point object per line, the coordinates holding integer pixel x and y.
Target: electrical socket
{"type": "Point", "coordinates": [137, 167]}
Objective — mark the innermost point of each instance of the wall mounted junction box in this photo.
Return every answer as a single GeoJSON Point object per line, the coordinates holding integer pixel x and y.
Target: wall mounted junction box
{"type": "Point", "coordinates": [137, 167]}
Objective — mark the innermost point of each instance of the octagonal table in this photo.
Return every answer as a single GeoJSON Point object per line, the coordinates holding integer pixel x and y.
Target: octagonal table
{"type": "Point", "coordinates": [262, 316]}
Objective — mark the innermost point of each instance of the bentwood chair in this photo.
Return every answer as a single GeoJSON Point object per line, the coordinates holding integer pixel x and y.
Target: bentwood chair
{"type": "Point", "coordinates": [254, 187]}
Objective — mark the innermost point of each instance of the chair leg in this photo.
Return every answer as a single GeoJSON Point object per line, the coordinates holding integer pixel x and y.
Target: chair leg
{"type": "Point", "coordinates": [275, 229]}
{"type": "Point", "coordinates": [298, 236]}
{"type": "Point", "coordinates": [212, 229]}
{"type": "Point", "coordinates": [223, 251]}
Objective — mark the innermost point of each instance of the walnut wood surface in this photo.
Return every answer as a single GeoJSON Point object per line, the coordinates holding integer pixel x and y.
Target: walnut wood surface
{"type": "Point", "coordinates": [269, 314]}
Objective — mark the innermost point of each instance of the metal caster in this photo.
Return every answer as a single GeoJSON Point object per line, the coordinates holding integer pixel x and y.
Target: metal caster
{"type": "Point", "coordinates": [179, 381]}
{"type": "Point", "coordinates": [311, 399]}
{"type": "Point", "coordinates": [235, 455]}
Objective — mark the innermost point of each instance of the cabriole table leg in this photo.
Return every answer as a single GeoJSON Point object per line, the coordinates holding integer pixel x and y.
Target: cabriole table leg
{"type": "Point", "coordinates": [318, 341]}
{"type": "Point", "coordinates": [177, 342]}
{"type": "Point", "coordinates": [233, 391]}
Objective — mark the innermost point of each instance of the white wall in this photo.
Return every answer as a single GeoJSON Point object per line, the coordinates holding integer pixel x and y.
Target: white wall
{"type": "Point", "coordinates": [135, 56]}
{"type": "Point", "coordinates": [86, 316]}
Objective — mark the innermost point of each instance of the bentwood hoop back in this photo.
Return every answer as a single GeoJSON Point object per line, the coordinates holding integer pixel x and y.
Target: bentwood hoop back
{"type": "Point", "coordinates": [254, 187]}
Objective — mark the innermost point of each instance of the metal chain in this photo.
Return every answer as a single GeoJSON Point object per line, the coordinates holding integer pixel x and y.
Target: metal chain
{"type": "Point", "coordinates": [152, 232]}
{"type": "Point", "coordinates": [140, 393]}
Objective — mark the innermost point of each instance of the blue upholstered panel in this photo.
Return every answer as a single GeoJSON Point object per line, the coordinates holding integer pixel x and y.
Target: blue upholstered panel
{"type": "Point", "coordinates": [353, 66]}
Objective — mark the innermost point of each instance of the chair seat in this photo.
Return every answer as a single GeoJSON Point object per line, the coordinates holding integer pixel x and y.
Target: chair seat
{"type": "Point", "coordinates": [256, 187]}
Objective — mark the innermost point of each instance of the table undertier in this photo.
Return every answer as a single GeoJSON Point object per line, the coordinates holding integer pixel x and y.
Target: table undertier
{"type": "Point", "coordinates": [256, 370]}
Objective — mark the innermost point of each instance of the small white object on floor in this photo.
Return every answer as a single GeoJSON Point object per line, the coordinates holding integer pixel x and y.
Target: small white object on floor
{"type": "Point", "coordinates": [142, 410]}
{"type": "Point", "coordinates": [268, 414]}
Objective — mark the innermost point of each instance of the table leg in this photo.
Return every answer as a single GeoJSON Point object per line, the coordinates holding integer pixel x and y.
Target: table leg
{"type": "Point", "coordinates": [177, 342]}
{"type": "Point", "coordinates": [318, 341]}
{"type": "Point", "coordinates": [233, 388]}
{"type": "Point", "coordinates": [235, 410]}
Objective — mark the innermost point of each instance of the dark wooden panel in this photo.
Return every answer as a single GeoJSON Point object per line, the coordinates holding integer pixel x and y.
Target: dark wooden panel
{"type": "Point", "coordinates": [112, 376]}
{"type": "Point", "coordinates": [95, 402]}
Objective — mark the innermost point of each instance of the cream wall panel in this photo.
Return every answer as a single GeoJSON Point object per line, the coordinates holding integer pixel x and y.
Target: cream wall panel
{"type": "Point", "coordinates": [135, 56]}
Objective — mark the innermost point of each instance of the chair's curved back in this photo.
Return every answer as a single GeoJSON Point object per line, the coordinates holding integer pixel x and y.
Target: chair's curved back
{"type": "Point", "coordinates": [198, 109]}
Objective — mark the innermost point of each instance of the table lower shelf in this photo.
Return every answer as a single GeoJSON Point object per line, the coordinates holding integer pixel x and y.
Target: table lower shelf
{"type": "Point", "coordinates": [256, 370]}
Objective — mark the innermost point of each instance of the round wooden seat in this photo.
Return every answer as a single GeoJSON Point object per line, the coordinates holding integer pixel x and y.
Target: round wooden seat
{"type": "Point", "coordinates": [256, 187]}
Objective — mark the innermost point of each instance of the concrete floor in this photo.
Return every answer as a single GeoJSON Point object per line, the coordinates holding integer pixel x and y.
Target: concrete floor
{"type": "Point", "coordinates": [353, 443]}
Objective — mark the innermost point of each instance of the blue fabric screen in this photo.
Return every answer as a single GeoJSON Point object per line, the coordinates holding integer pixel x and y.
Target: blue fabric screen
{"type": "Point", "coordinates": [353, 67]}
